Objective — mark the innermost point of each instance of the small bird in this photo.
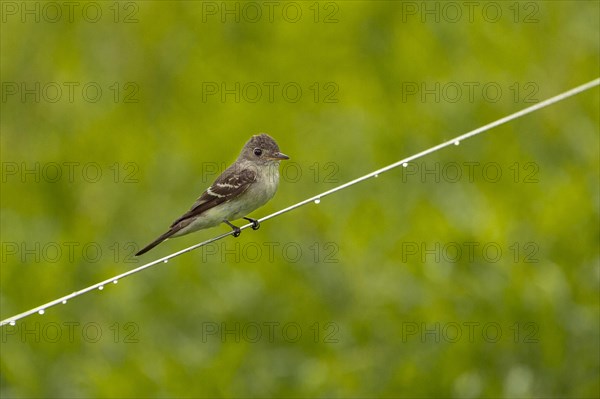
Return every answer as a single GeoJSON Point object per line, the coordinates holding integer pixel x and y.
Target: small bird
{"type": "Point", "coordinates": [249, 183]}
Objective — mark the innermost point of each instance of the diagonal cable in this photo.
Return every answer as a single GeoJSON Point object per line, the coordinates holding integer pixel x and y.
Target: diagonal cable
{"type": "Point", "coordinates": [317, 198]}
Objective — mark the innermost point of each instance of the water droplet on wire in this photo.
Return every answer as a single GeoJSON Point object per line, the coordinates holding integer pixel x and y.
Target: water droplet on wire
{"type": "Point", "coordinates": [318, 200]}
{"type": "Point", "coordinates": [376, 176]}
{"type": "Point", "coordinates": [41, 311]}
{"type": "Point", "coordinates": [101, 287]}
{"type": "Point", "coordinates": [405, 164]}
{"type": "Point", "coordinates": [64, 302]}
{"type": "Point", "coordinates": [115, 281]}
{"type": "Point", "coordinates": [456, 142]}
{"type": "Point", "coordinates": [12, 323]}
{"type": "Point", "coordinates": [166, 261]}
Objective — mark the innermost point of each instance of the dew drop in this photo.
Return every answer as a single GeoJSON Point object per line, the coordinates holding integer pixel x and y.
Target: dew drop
{"type": "Point", "coordinates": [318, 200]}
{"type": "Point", "coordinates": [12, 323]}
{"type": "Point", "coordinates": [64, 302]}
{"type": "Point", "coordinates": [101, 287]}
{"type": "Point", "coordinates": [41, 311]}
{"type": "Point", "coordinates": [456, 142]}
{"type": "Point", "coordinates": [115, 281]}
{"type": "Point", "coordinates": [166, 261]}
{"type": "Point", "coordinates": [405, 164]}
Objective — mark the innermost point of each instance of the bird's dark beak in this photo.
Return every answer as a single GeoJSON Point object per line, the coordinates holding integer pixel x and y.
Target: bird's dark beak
{"type": "Point", "coordinates": [280, 156]}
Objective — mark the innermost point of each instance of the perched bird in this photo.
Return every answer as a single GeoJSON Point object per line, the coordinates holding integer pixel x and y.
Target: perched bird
{"type": "Point", "coordinates": [249, 183]}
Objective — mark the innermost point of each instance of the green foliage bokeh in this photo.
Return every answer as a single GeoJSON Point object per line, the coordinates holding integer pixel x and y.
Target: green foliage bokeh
{"type": "Point", "coordinates": [381, 290]}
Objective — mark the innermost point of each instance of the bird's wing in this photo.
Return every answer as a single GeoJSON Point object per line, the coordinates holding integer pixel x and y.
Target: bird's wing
{"type": "Point", "coordinates": [231, 184]}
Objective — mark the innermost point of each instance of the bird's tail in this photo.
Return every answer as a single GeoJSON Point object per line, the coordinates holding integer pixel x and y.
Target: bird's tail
{"type": "Point", "coordinates": [157, 241]}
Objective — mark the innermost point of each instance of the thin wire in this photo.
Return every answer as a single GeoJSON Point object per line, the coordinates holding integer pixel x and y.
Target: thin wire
{"type": "Point", "coordinates": [455, 141]}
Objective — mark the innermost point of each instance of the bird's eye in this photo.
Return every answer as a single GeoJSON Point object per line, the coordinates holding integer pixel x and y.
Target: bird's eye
{"type": "Point", "coordinates": [257, 152]}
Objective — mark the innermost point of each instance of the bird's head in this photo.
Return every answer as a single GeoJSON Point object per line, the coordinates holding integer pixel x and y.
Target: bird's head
{"type": "Point", "coordinates": [262, 150]}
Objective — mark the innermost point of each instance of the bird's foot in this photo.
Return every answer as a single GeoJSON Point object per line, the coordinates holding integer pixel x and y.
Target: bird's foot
{"type": "Point", "coordinates": [255, 223]}
{"type": "Point", "coordinates": [236, 230]}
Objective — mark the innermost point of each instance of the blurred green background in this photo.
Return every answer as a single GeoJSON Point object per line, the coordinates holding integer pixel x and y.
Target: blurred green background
{"type": "Point", "coordinates": [474, 272]}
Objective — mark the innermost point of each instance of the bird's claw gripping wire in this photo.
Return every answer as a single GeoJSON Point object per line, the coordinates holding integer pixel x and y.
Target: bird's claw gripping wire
{"type": "Point", "coordinates": [236, 230]}
{"type": "Point", "coordinates": [255, 223]}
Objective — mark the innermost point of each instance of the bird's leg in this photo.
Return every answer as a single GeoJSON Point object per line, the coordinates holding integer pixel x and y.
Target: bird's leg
{"type": "Point", "coordinates": [255, 223]}
{"type": "Point", "coordinates": [236, 230]}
